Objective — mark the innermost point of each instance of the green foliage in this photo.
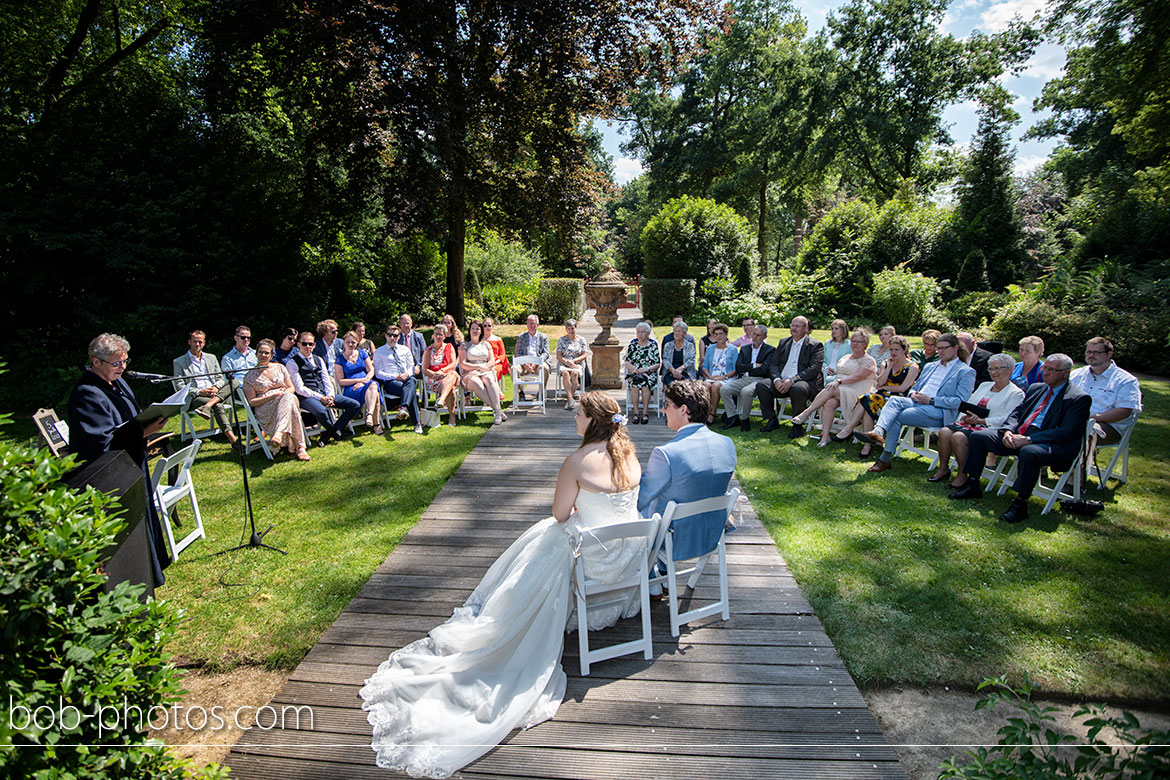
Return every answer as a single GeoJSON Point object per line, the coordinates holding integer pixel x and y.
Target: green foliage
{"type": "Point", "coordinates": [732, 311]}
{"type": "Point", "coordinates": [745, 275]}
{"type": "Point", "coordinates": [973, 308]}
{"type": "Point", "coordinates": [904, 298]}
{"type": "Point", "coordinates": [714, 291]}
{"type": "Point", "coordinates": [471, 286]}
{"type": "Point", "coordinates": [1062, 330]}
{"type": "Point", "coordinates": [68, 644]}
{"type": "Point", "coordinates": [1030, 746]}
{"type": "Point", "coordinates": [510, 302]}
{"type": "Point", "coordinates": [560, 299]}
{"type": "Point", "coordinates": [921, 237]}
{"type": "Point", "coordinates": [664, 298]}
{"type": "Point", "coordinates": [838, 249]}
{"type": "Point", "coordinates": [695, 238]}
{"type": "Point", "coordinates": [495, 260]}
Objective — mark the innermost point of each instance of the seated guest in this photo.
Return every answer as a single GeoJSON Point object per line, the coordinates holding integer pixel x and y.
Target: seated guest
{"type": "Point", "coordinates": [394, 369]}
{"type": "Point", "coordinates": [999, 397]}
{"type": "Point", "coordinates": [895, 377]}
{"type": "Point", "coordinates": [237, 360]}
{"type": "Point", "coordinates": [1029, 370]}
{"type": "Point", "coordinates": [478, 367]}
{"type": "Point", "coordinates": [413, 340]}
{"type": "Point", "coordinates": [1115, 392]}
{"type": "Point", "coordinates": [977, 357]}
{"type": "Point", "coordinates": [880, 352]}
{"type": "Point", "coordinates": [1045, 430]}
{"type": "Point", "coordinates": [354, 372]}
{"type": "Point", "coordinates": [498, 349]}
{"type": "Point", "coordinates": [102, 411]}
{"type": "Point", "coordinates": [534, 344]}
{"type": "Point", "coordinates": [675, 320]}
{"type": "Point", "coordinates": [210, 387]}
{"type": "Point", "coordinates": [454, 336]}
{"type": "Point", "coordinates": [718, 366]}
{"type": "Point", "coordinates": [678, 355]}
{"type": "Point", "coordinates": [642, 364]}
{"type": "Point", "coordinates": [653, 340]}
{"type": "Point", "coordinates": [835, 348]}
{"type": "Point", "coordinates": [751, 371]}
{"type": "Point", "coordinates": [288, 345]}
{"type": "Point", "coordinates": [364, 343]}
{"type": "Point", "coordinates": [929, 351]}
{"type": "Point", "coordinates": [328, 344]}
{"type": "Point", "coordinates": [269, 391]}
{"type": "Point", "coordinates": [749, 330]}
{"type": "Point", "coordinates": [795, 372]}
{"type": "Point", "coordinates": [933, 402]}
{"type": "Point", "coordinates": [572, 352]}
{"type": "Point", "coordinates": [440, 371]}
{"type": "Point", "coordinates": [314, 386]}
{"type": "Point", "coordinates": [854, 378]}
{"type": "Point", "coordinates": [707, 340]}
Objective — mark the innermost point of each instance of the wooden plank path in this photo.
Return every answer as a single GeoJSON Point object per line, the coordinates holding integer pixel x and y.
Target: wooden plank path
{"type": "Point", "coordinates": [763, 694]}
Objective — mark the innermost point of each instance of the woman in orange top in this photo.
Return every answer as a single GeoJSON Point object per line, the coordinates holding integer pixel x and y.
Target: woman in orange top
{"type": "Point", "coordinates": [498, 351]}
{"type": "Point", "coordinates": [439, 374]}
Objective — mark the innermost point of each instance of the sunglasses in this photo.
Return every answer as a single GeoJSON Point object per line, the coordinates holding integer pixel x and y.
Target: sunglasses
{"type": "Point", "coordinates": [116, 363]}
{"type": "Point", "coordinates": [244, 338]}
{"type": "Point", "coordinates": [306, 343]}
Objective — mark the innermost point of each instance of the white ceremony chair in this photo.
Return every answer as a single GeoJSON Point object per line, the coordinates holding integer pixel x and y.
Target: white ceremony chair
{"type": "Point", "coordinates": [166, 496]}
{"type": "Point", "coordinates": [906, 444]}
{"type": "Point", "coordinates": [655, 402]}
{"type": "Point", "coordinates": [692, 531]}
{"type": "Point", "coordinates": [1122, 453]}
{"type": "Point", "coordinates": [585, 587]}
{"type": "Point", "coordinates": [1058, 492]}
{"type": "Point", "coordinates": [187, 429]}
{"type": "Point", "coordinates": [388, 418]}
{"type": "Point", "coordinates": [252, 435]}
{"type": "Point", "coordinates": [527, 384]}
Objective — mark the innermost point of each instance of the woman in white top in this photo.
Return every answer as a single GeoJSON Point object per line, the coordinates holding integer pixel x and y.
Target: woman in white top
{"type": "Point", "coordinates": [477, 364]}
{"type": "Point", "coordinates": [836, 348]}
{"type": "Point", "coordinates": [855, 374]}
{"type": "Point", "coordinates": [999, 396]}
{"type": "Point", "coordinates": [718, 365]}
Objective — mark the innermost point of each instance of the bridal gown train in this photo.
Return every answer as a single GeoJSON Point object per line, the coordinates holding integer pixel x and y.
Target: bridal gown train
{"type": "Point", "coordinates": [443, 701]}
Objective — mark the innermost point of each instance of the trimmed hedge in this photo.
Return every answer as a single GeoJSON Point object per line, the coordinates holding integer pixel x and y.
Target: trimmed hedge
{"type": "Point", "coordinates": [664, 298]}
{"type": "Point", "coordinates": [560, 299]}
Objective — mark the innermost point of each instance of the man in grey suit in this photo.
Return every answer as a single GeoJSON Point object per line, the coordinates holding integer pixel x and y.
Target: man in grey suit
{"type": "Point", "coordinates": [532, 343]}
{"type": "Point", "coordinates": [209, 392]}
{"type": "Point", "coordinates": [696, 464]}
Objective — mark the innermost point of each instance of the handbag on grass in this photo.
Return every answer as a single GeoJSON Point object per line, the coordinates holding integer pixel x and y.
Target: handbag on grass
{"type": "Point", "coordinates": [428, 418]}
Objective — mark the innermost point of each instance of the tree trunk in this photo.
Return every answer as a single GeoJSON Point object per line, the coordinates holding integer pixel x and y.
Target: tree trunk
{"type": "Point", "coordinates": [456, 154]}
{"type": "Point", "coordinates": [456, 241]}
{"type": "Point", "coordinates": [761, 235]}
{"type": "Point", "coordinates": [798, 232]}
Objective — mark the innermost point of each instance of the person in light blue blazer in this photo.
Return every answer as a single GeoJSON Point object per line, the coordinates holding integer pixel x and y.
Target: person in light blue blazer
{"type": "Point", "coordinates": [932, 403]}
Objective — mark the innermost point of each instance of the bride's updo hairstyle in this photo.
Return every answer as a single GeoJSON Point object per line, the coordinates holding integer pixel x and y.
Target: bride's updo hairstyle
{"type": "Point", "coordinates": [601, 408]}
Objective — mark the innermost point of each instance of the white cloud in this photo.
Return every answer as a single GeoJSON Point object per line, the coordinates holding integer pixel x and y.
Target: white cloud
{"type": "Point", "coordinates": [998, 14]}
{"type": "Point", "coordinates": [625, 169]}
{"type": "Point", "coordinates": [1047, 63]}
{"type": "Point", "coordinates": [1025, 165]}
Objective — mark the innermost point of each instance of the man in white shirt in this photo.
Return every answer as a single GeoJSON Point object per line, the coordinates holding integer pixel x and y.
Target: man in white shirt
{"type": "Point", "coordinates": [1115, 392]}
{"type": "Point", "coordinates": [211, 387]}
{"type": "Point", "coordinates": [394, 367]}
{"type": "Point", "coordinates": [241, 358]}
{"type": "Point", "coordinates": [314, 385]}
{"type": "Point", "coordinates": [795, 373]}
{"type": "Point", "coordinates": [412, 340]}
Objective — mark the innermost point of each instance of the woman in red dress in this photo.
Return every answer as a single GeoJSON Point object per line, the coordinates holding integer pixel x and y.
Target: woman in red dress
{"type": "Point", "coordinates": [498, 351]}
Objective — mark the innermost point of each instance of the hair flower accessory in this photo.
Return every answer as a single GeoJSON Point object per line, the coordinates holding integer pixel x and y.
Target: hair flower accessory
{"type": "Point", "coordinates": [620, 419]}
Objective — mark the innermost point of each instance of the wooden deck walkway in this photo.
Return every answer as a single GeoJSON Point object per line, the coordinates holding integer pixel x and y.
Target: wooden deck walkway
{"type": "Point", "coordinates": [761, 695]}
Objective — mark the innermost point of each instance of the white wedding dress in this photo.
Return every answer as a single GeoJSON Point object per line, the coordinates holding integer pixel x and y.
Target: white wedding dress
{"type": "Point", "coordinates": [441, 702]}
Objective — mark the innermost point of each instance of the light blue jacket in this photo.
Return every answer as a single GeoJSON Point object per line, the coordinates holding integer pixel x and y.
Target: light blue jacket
{"type": "Point", "coordinates": [729, 357]}
{"type": "Point", "coordinates": [696, 464]}
{"type": "Point", "coordinates": [955, 389]}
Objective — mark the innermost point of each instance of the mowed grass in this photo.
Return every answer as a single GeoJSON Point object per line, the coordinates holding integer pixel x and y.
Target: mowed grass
{"type": "Point", "coordinates": [916, 589]}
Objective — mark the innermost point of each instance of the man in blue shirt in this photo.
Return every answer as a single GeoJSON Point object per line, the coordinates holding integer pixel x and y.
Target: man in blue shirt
{"type": "Point", "coordinates": [240, 358]}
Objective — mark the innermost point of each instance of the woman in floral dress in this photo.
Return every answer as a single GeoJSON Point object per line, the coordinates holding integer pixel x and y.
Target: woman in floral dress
{"type": "Point", "coordinates": [269, 391]}
{"type": "Point", "coordinates": [642, 364]}
{"type": "Point", "coordinates": [572, 352]}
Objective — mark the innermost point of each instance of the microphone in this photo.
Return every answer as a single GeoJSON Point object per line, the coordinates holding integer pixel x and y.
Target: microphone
{"type": "Point", "coordinates": [142, 375]}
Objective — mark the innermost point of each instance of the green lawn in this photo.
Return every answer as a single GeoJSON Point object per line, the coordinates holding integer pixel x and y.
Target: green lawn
{"type": "Point", "coordinates": [914, 588]}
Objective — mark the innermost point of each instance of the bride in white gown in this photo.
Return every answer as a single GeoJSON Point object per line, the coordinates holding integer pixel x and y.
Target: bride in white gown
{"type": "Point", "coordinates": [443, 701]}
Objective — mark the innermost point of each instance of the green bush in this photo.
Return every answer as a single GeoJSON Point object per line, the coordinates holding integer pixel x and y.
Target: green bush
{"type": "Point", "coordinates": [471, 286]}
{"type": "Point", "coordinates": [904, 298]}
{"type": "Point", "coordinates": [695, 238]}
{"type": "Point", "coordinates": [838, 249]}
{"type": "Point", "coordinates": [974, 308]}
{"type": "Point", "coordinates": [664, 298]}
{"type": "Point", "coordinates": [792, 293]}
{"type": "Point", "coordinates": [921, 238]}
{"type": "Point", "coordinates": [714, 291]}
{"type": "Point", "coordinates": [733, 311]}
{"type": "Point", "coordinates": [75, 657]}
{"type": "Point", "coordinates": [559, 299]}
{"type": "Point", "coordinates": [1062, 331]}
{"type": "Point", "coordinates": [1030, 746]}
{"type": "Point", "coordinates": [510, 302]}
{"type": "Point", "coordinates": [497, 261]}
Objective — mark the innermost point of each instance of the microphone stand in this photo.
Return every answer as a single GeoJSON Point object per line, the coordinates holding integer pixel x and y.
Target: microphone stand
{"type": "Point", "coordinates": [256, 539]}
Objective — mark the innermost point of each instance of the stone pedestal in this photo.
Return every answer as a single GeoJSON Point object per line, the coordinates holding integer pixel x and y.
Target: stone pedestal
{"type": "Point", "coordinates": [606, 293]}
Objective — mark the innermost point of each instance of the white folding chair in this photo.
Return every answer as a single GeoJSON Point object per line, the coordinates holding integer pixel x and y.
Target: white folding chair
{"type": "Point", "coordinates": [187, 429]}
{"type": "Point", "coordinates": [1057, 492]}
{"type": "Point", "coordinates": [387, 418]}
{"type": "Point", "coordinates": [1122, 453]}
{"type": "Point", "coordinates": [252, 434]}
{"type": "Point", "coordinates": [166, 496]}
{"type": "Point", "coordinates": [585, 588]}
{"type": "Point", "coordinates": [906, 444]}
{"type": "Point", "coordinates": [686, 535]}
{"type": "Point", "coordinates": [527, 383]}
{"type": "Point", "coordinates": [655, 402]}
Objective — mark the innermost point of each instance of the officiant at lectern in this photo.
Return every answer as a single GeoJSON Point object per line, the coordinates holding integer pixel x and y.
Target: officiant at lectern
{"type": "Point", "coordinates": [101, 418]}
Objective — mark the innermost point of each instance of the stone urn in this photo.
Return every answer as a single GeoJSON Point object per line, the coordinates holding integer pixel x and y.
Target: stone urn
{"type": "Point", "coordinates": [606, 293]}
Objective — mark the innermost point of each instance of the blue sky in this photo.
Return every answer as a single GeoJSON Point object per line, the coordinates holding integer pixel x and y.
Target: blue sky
{"type": "Point", "coordinates": [962, 17]}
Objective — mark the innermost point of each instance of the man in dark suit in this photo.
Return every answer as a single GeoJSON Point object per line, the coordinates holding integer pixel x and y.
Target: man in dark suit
{"type": "Point", "coordinates": [794, 372]}
{"type": "Point", "coordinates": [751, 371]}
{"type": "Point", "coordinates": [1046, 429]}
{"type": "Point", "coordinates": [977, 358]}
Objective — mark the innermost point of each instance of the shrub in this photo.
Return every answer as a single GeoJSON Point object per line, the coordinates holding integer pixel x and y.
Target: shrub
{"type": "Point", "coordinates": [922, 238]}
{"type": "Point", "coordinates": [497, 261]}
{"type": "Point", "coordinates": [751, 305]}
{"type": "Point", "coordinates": [974, 308]}
{"type": "Point", "coordinates": [510, 302]}
{"type": "Point", "coordinates": [714, 291]}
{"type": "Point", "coordinates": [559, 299]}
{"type": "Point", "coordinates": [838, 249]}
{"type": "Point", "coordinates": [695, 238]}
{"type": "Point", "coordinates": [792, 293]}
{"type": "Point", "coordinates": [904, 298]}
{"type": "Point", "coordinates": [68, 644]}
{"type": "Point", "coordinates": [664, 298]}
{"type": "Point", "coordinates": [1062, 331]}
{"type": "Point", "coordinates": [1030, 747]}
{"type": "Point", "coordinates": [471, 286]}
